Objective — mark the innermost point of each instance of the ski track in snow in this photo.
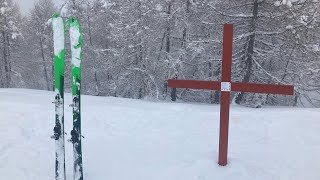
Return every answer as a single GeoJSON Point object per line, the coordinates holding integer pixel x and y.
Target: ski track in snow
{"type": "Point", "coordinates": [141, 140]}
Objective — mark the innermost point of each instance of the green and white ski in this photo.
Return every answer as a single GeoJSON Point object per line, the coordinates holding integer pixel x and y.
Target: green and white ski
{"type": "Point", "coordinates": [76, 47]}
{"type": "Point", "coordinates": [59, 54]}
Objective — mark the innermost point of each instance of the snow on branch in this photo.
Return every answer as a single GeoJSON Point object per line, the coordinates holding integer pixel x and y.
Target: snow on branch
{"type": "Point", "coordinates": [241, 15]}
{"type": "Point", "coordinates": [266, 72]}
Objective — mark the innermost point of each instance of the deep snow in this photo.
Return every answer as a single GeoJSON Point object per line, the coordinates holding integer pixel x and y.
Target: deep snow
{"type": "Point", "coordinates": [140, 140]}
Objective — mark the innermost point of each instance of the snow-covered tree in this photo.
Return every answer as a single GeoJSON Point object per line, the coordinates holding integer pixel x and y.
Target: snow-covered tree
{"type": "Point", "coordinates": [266, 42]}
{"type": "Point", "coordinates": [38, 68]}
{"type": "Point", "coordinates": [132, 47]}
{"type": "Point", "coordinates": [10, 22]}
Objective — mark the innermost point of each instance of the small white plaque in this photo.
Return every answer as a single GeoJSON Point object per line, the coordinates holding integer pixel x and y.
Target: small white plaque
{"type": "Point", "coordinates": [226, 86]}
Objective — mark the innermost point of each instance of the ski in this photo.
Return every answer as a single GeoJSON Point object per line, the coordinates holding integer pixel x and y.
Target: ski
{"type": "Point", "coordinates": [59, 55]}
{"type": "Point", "coordinates": [76, 47]}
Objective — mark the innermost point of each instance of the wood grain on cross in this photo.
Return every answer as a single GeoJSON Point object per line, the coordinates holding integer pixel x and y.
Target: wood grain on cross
{"type": "Point", "coordinates": [226, 86]}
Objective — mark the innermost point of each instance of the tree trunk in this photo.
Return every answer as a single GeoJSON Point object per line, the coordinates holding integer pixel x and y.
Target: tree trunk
{"type": "Point", "coordinates": [97, 82]}
{"type": "Point", "coordinates": [44, 64]}
{"type": "Point", "coordinates": [168, 48]}
{"type": "Point", "coordinates": [6, 60]}
{"type": "Point", "coordinates": [94, 57]}
{"type": "Point", "coordinates": [168, 34]}
{"type": "Point", "coordinates": [52, 68]}
{"type": "Point", "coordinates": [1, 76]}
{"type": "Point", "coordinates": [250, 48]}
{"type": "Point", "coordinates": [184, 34]}
{"type": "Point", "coordinates": [140, 57]}
{"type": "Point", "coordinates": [89, 28]}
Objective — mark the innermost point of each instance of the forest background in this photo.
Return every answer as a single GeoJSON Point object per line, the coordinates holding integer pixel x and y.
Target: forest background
{"type": "Point", "coordinates": [131, 47]}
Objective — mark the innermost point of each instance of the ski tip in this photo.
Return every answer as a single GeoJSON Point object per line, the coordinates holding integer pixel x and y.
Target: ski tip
{"type": "Point", "coordinates": [72, 20]}
{"type": "Point", "coordinates": [55, 15]}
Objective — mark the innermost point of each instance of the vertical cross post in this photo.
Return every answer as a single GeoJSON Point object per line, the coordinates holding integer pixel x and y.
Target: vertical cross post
{"type": "Point", "coordinates": [225, 93]}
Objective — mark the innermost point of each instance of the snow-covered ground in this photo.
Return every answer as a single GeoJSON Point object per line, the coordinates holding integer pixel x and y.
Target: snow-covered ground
{"type": "Point", "coordinates": [140, 140]}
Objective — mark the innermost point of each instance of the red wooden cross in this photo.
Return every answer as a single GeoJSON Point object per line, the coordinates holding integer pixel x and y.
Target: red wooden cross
{"type": "Point", "coordinates": [226, 86]}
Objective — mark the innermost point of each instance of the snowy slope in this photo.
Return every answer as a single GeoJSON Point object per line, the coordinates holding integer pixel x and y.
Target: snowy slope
{"type": "Point", "coordinates": [139, 140]}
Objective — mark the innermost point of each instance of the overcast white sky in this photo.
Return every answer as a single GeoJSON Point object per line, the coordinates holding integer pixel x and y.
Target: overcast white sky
{"type": "Point", "coordinates": [26, 5]}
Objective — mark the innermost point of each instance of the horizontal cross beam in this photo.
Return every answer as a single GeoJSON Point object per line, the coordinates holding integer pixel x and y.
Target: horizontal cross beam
{"type": "Point", "coordinates": [235, 86]}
